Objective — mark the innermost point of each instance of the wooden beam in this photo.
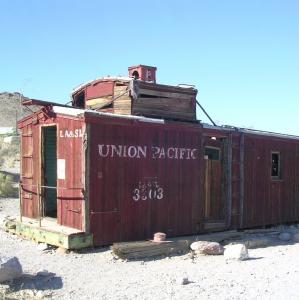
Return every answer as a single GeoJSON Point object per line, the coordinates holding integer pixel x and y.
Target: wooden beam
{"type": "Point", "coordinates": [146, 249]}
{"type": "Point", "coordinates": [99, 101]}
{"type": "Point", "coordinates": [149, 112]}
{"type": "Point", "coordinates": [165, 103]}
{"type": "Point", "coordinates": [55, 238]}
{"type": "Point", "coordinates": [166, 94]}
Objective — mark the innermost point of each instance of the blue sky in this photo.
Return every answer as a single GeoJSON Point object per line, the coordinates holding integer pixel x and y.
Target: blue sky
{"type": "Point", "coordinates": [243, 56]}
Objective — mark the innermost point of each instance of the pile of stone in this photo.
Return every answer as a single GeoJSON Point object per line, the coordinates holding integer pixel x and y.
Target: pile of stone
{"type": "Point", "coordinates": [230, 252]}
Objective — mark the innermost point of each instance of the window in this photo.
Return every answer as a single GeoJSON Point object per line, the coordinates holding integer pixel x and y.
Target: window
{"type": "Point", "coordinates": [79, 100]}
{"type": "Point", "coordinates": [212, 153]}
{"type": "Point", "coordinates": [275, 165]}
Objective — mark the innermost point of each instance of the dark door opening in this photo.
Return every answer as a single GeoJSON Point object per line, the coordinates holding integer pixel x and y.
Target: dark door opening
{"type": "Point", "coordinates": [49, 171]}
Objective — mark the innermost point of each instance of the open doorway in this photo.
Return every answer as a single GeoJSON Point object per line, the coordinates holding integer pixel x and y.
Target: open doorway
{"type": "Point", "coordinates": [49, 171]}
{"type": "Point", "coordinates": [214, 183]}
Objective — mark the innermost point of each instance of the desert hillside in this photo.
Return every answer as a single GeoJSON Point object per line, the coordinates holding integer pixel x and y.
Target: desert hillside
{"type": "Point", "coordinates": [11, 109]}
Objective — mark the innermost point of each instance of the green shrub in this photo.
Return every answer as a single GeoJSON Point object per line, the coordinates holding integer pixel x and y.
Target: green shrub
{"type": "Point", "coordinates": [9, 153]}
{"type": "Point", "coordinates": [6, 186]}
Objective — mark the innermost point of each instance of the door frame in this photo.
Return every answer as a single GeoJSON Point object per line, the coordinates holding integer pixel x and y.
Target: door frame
{"type": "Point", "coordinates": [42, 173]}
{"type": "Point", "coordinates": [225, 157]}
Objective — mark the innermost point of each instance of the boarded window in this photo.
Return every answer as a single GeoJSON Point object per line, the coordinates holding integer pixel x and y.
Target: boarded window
{"type": "Point", "coordinates": [212, 153]}
{"type": "Point", "coordinates": [275, 165]}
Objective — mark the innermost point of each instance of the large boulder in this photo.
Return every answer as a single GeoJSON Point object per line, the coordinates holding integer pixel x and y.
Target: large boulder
{"type": "Point", "coordinates": [236, 252]}
{"type": "Point", "coordinates": [196, 246]}
{"type": "Point", "coordinates": [208, 248]}
{"type": "Point", "coordinates": [285, 236]}
{"type": "Point", "coordinates": [10, 268]}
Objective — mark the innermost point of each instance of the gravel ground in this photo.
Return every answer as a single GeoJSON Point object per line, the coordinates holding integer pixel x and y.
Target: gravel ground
{"type": "Point", "coordinates": [271, 273]}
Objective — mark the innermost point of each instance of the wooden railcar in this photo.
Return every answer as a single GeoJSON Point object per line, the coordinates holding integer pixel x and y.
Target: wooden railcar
{"type": "Point", "coordinates": [120, 178]}
{"type": "Point", "coordinates": [130, 159]}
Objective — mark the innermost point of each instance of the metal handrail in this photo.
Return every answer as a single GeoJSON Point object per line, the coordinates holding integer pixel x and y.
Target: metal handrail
{"type": "Point", "coordinates": [52, 187]}
{"type": "Point", "coordinates": [39, 193]}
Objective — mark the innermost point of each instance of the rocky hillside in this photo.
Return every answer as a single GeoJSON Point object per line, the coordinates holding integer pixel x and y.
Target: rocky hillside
{"type": "Point", "coordinates": [11, 109]}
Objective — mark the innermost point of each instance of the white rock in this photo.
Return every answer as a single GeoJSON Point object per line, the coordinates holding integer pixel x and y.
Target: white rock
{"type": "Point", "coordinates": [10, 268]}
{"type": "Point", "coordinates": [236, 252]}
{"type": "Point", "coordinates": [285, 236]}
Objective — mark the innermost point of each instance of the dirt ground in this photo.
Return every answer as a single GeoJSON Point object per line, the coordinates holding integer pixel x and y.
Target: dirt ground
{"type": "Point", "coordinates": [270, 273]}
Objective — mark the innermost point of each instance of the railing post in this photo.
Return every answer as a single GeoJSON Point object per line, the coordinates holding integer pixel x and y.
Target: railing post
{"type": "Point", "coordinates": [20, 201]}
{"type": "Point", "coordinates": [39, 205]}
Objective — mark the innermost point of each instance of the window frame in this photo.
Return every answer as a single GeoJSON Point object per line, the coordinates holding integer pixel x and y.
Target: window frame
{"type": "Point", "coordinates": [214, 148]}
{"type": "Point", "coordinates": [278, 176]}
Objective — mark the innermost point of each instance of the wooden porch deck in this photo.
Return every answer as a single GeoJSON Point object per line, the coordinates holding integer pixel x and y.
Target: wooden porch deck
{"type": "Point", "coordinates": [50, 233]}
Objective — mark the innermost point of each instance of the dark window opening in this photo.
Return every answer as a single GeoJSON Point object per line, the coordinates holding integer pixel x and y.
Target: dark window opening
{"type": "Point", "coordinates": [79, 100]}
{"type": "Point", "coordinates": [135, 75]}
{"type": "Point", "coordinates": [275, 165]}
{"type": "Point", "coordinates": [212, 153]}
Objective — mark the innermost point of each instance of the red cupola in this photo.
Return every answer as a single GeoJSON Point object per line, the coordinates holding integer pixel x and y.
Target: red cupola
{"type": "Point", "coordinates": [145, 73]}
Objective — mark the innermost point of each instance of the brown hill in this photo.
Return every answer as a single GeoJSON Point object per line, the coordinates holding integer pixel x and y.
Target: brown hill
{"type": "Point", "coordinates": [11, 109]}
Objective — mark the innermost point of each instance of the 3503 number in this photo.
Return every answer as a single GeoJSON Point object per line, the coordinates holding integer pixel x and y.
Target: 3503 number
{"type": "Point", "coordinates": [148, 191]}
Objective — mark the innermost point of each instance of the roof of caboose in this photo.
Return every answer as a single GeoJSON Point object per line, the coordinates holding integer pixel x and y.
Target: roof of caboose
{"type": "Point", "coordinates": [77, 112]}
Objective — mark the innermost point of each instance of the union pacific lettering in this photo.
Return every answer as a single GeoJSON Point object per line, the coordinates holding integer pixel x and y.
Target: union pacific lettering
{"type": "Point", "coordinates": [139, 152]}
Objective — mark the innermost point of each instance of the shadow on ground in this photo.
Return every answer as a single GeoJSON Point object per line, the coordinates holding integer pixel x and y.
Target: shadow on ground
{"type": "Point", "coordinates": [31, 287]}
{"type": "Point", "coordinates": [36, 282]}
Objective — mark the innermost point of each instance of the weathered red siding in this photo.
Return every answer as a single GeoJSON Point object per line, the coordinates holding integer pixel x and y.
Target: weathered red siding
{"type": "Point", "coordinates": [121, 195]}
{"type": "Point", "coordinates": [115, 181]}
{"type": "Point", "coordinates": [30, 157]}
{"type": "Point", "coordinates": [266, 200]}
{"type": "Point", "coordinates": [70, 191]}
{"type": "Point", "coordinates": [235, 181]}
{"type": "Point", "coordinates": [70, 209]}
{"type": "Point", "coordinates": [99, 89]}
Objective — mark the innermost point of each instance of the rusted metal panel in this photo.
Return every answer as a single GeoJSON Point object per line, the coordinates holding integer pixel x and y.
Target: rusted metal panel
{"type": "Point", "coordinates": [141, 179]}
{"type": "Point", "coordinates": [99, 89]}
